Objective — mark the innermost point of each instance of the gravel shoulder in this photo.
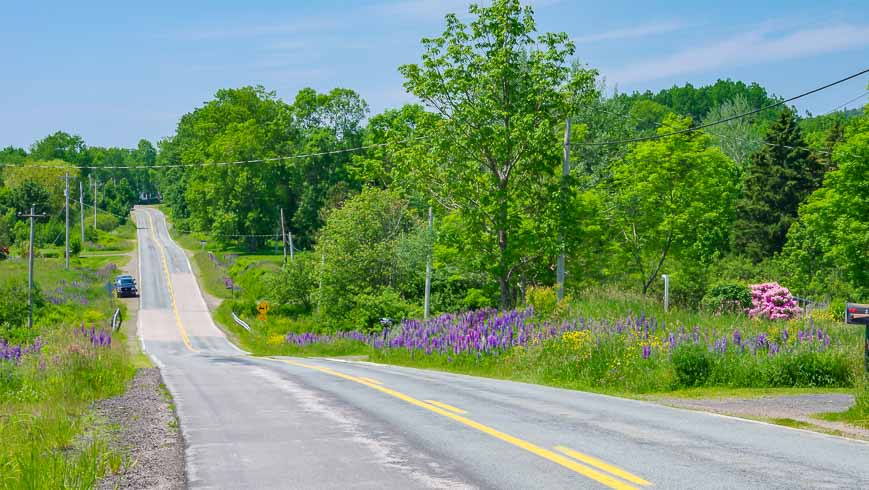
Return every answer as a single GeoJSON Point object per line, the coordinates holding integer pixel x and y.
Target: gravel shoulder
{"type": "Point", "coordinates": [792, 410]}
{"type": "Point", "coordinates": [148, 435]}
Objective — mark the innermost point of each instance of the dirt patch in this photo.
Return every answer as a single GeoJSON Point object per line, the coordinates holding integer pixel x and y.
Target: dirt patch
{"type": "Point", "coordinates": [148, 435]}
{"type": "Point", "coordinates": [780, 409]}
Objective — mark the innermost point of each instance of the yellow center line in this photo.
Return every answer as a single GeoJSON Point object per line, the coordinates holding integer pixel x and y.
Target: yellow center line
{"type": "Point", "coordinates": [371, 380]}
{"type": "Point", "coordinates": [591, 460]}
{"type": "Point", "coordinates": [553, 456]}
{"type": "Point", "coordinates": [447, 407]}
{"type": "Point", "coordinates": [178, 322]}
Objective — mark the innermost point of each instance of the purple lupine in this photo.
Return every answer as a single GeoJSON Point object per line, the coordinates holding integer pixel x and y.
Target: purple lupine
{"type": "Point", "coordinates": [647, 351]}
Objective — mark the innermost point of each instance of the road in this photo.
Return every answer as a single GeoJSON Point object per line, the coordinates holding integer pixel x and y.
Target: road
{"type": "Point", "coordinates": [319, 423]}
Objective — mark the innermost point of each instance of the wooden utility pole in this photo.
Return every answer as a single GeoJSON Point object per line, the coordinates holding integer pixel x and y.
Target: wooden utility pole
{"type": "Point", "coordinates": [565, 172]}
{"type": "Point", "coordinates": [66, 205]}
{"type": "Point", "coordinates": [284, 236]}
{"type": "Point", "coordinates": [427, 303]}
{"type": "Point", "coordinates": [32, 216]}
{"type": "Point", "coordinates": [81, 208]}
{"type": "Point", "coordinates": [96, 183]}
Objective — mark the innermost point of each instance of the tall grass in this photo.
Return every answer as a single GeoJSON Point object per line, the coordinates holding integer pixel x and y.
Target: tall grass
{"type": "Point", "coordinates": [48, 435]}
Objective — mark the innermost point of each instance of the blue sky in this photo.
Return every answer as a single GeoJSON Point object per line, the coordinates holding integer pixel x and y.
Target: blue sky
{"type": "Point", "coordinates": [114, 72]}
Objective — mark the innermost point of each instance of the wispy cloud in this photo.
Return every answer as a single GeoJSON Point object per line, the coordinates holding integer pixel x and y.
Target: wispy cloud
{"type": "Point", "coordinates": [257, 29]}
{"type": "Point", "coordinates": [436, 9]}
{"type": "Point", "coordinates": [748, 48]}
{"type": "Point", "coordinates": [643, 30]}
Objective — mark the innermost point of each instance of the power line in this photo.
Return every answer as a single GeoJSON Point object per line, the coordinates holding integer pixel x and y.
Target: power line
{"type": "Point", "coordinates": [727, 119]}
{"type": "Point", "coordinates": [207, 164]}
{"type": "Point", "coordinates": [762, 141]}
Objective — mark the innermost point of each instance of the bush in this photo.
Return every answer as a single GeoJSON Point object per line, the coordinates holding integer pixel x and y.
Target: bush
{"type": "Point", "coordinates": [772, 301]}
{"type": "Point", "coordinates": [543, 299]}
{"type": "Point", "coordinates": [13, 301]}
{"type": "Point", "coordinates": [727, 298]}
{"type": "Point", "coordinates": [476, 299]}
{"type": "Point", "coordinates": [692, 364]}
{"type": "Point", "coordinates": [107, 222]}
{"type": "Point", "coordinates": [371, 307]}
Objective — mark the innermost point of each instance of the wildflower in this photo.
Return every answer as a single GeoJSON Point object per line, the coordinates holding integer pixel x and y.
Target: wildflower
{"type": "Point", "coordinates": [647, 351]}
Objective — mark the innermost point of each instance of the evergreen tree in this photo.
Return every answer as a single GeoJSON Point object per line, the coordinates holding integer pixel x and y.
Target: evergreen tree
{"type": "Point", "coordinates": [780, 176]}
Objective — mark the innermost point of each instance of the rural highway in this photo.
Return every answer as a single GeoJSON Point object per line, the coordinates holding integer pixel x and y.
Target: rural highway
{"type": "Point", "coordinates": [318, 423]}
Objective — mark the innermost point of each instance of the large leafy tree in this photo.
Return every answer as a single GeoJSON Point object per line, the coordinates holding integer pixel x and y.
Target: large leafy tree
{"type": "Point", "coordinates": [61, 146]}
{"type": "Point", "coordinates": [739, 138]}
{"type": "Point", "coordinates": [778, 179]}
{"type": "Point", "coordinates": [826, 251]}
{"type": "Point", "coordinates": [503, 93]}
{"type": "Point", "coordinates": [672, 198]}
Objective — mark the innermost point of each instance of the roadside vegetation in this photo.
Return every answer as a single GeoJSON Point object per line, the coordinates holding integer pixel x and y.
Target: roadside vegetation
{"type": "Point", "coordinates": [52, 373]}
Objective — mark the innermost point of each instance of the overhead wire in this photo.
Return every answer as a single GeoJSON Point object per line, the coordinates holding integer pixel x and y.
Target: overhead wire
{"type": "Point", "coordinates": [726, 119]}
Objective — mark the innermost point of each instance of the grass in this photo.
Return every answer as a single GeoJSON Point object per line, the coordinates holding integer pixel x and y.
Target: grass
{"type": "Point", "coordinates": [856, 415]}
{"type": "Point", "coordinates": [49, 437]}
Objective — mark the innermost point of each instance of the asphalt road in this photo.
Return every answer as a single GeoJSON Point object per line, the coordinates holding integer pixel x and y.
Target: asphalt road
{"type": "Point", "coordinates": [319, 423]}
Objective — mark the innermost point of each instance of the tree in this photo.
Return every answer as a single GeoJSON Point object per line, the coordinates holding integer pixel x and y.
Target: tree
{"type": "Point", "coordinates": [739, 138]}
{"type": "Point", "coordinates": [61, 146]}
{"type": "Point", "coordinates": [826, 248]}
{"type": "Point", "coordinates": [365, 248]}
{"type": "Point", "coordinates": [503, 95]}
{"type": "Point", "coordinates": [781, 175]}
{"type": "Point", "coordinates": [671, 197]}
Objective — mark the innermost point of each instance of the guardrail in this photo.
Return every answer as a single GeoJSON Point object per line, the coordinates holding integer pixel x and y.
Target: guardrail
{"type": "Point", "coordinates": [116, 319]}
{"type": "Point", "coordinates": [241, 322]}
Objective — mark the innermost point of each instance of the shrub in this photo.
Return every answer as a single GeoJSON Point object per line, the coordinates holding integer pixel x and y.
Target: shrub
{"type": "Point", "coordinates": [543, 299]}
{"type": "Point", "coordinates": [476, 299]}
{"type": "Point", "coordinates": [370, 308]}
{"type": "Point", "coordinates": [772, 301]}
{"type": "Point", "coordinates": [13, 301]}
{"type": "Point", "coordinates": [727, 298]}
{"type": "Point", "coordinates": [107, 222]}
{"type": "Point", "coordinates": [692, 364]}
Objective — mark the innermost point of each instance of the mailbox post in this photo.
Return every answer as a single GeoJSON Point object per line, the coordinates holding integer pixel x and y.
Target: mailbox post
{"type": "Point", "coordinates": [858, 314]}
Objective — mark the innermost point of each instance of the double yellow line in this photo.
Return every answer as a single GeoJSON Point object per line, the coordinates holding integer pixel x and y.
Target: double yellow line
{"type": "Point", "coordinates": [590, 467]}
{"type": "Point", "coordinates": [178, 322]}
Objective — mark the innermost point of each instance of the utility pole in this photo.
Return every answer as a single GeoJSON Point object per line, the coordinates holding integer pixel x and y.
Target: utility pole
{"type": "Point", "coordinates": [81, 208]}
{"type": "Point", "coordinates": [284, 236]}
{"type": "Point", "coordinates": [428, 270]}
{"type": "Point", "coordinates": [66, 199]}
{"type": "Point", "coordinates": [292, 249]}
{"type": "Point", "coordinates": [32, 215]}
{"type": "Point", "coordinates": [96, 183]}
{"type": "Point", "coordinates": [565, 172]}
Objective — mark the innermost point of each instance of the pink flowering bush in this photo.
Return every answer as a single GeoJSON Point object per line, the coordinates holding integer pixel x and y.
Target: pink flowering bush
{"type": "Point", "coordinates": [772, 301]}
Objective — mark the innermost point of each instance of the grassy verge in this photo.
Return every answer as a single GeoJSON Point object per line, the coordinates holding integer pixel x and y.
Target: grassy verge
{"type": "Point", "coordinates": [858, 414]}
{"type": "Point", "coordinates": [50, 438]}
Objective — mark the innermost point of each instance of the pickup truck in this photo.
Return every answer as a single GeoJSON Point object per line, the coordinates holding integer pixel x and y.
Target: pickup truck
{"type": "Point", "coordinates": [125, 286]}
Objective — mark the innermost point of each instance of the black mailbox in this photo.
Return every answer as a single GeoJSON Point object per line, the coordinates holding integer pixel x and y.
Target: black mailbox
{"type": "Point", "coordinates": [857, 313]}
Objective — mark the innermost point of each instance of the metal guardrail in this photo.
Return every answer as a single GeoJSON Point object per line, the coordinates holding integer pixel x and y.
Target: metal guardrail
{"type": "Point", "coordinates": [241, 322]}
{"type": "Point", "coordinates": [116, 319]}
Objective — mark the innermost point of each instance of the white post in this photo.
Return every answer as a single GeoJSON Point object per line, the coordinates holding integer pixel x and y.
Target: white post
{"type": "Point", "coordinates": [666, 279]}
{"type": "Point", "coordinates": [427, 303]}
{"type": "Point", "coordinates": [283, 236]}
{"type": "Point", "coordinates": [292, 251]}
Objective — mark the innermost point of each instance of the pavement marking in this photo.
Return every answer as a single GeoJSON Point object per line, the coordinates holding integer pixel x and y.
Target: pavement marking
{"type": "Point", "coordinates": [371, 380]}
{"type": "Point", "coordinates": [602, 465]}
{"type": "Point", "coordinates": [600, 477]}
{"type": "Point", "coordinates": [447, 407]}
{"type": "Point", "coordinates": [181, 328]}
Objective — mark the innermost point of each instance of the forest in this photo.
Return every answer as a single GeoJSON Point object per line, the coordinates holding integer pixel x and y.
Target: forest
{"type": "Point", "coordinates": [772, 196]}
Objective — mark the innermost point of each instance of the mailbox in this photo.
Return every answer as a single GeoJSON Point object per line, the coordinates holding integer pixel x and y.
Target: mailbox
{"type": "Point", "coordinates": [857, 313]}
